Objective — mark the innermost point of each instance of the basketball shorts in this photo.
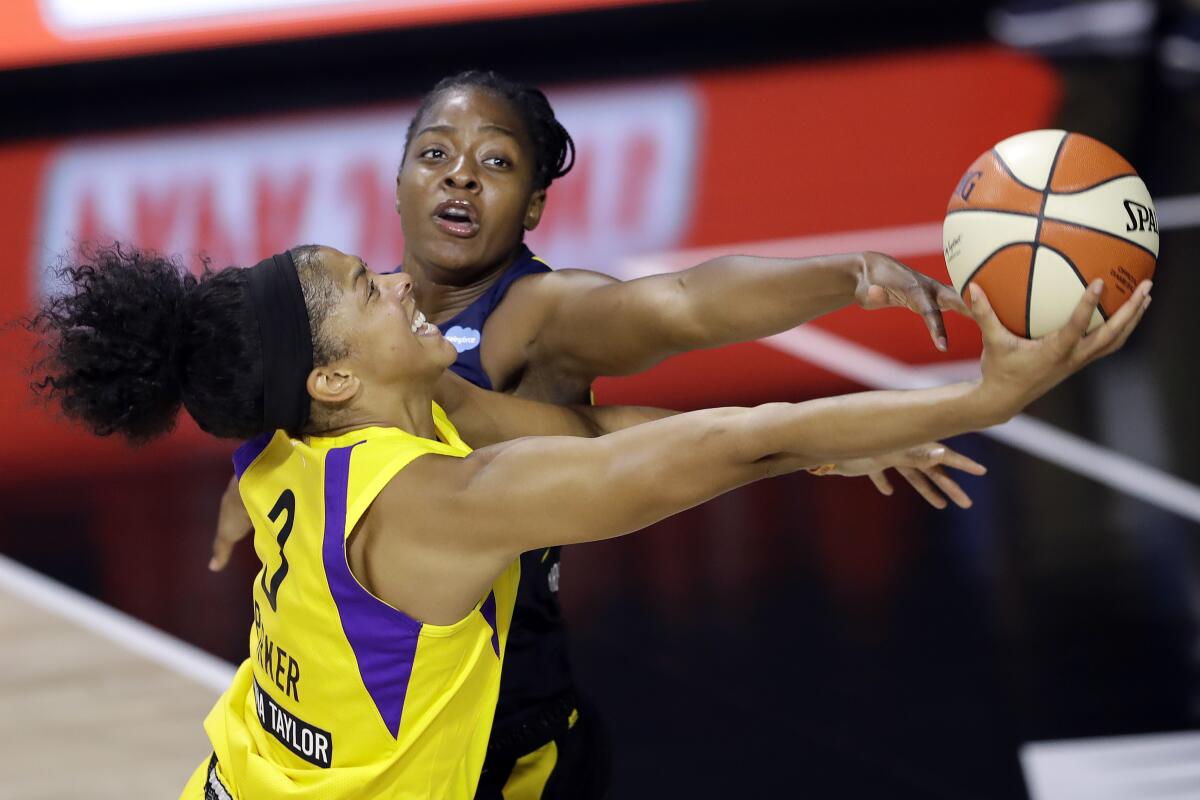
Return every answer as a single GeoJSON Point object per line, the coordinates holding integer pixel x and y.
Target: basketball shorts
{"type": "Point", "coordinates": [576, 764]}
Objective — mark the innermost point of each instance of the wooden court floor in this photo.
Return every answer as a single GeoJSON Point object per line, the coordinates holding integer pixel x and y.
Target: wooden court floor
{"type": "Point", "coordinates": [84, 716]}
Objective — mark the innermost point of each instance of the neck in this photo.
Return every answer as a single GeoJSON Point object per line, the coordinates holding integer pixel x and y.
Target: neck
{"type": "Point", "coordinates": [442, 293]}
{"type": "Point", "coordinates": [411, 412]}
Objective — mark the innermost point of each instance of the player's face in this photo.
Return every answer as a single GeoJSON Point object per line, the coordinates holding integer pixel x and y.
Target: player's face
{"type": "Point", "coordinates": [376, 316]}
{"type": "Point", "coordinates": [465, 190]}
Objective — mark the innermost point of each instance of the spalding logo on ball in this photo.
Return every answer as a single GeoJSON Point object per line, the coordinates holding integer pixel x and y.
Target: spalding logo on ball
{"type": "Point", "coordinates": [1040, 216]}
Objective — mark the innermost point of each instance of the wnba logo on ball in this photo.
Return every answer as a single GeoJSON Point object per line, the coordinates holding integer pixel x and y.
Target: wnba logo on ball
{"type": "Point", "coordinates": [1141, 218]}
{"type": "Point", "coordinates": [1051, 211]}
{"type": "Point", "coordinates": [967, 184]}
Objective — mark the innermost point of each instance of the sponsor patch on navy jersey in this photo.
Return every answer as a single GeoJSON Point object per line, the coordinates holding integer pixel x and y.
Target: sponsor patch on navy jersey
{"type": "Point", "coordinates": [463, 339]}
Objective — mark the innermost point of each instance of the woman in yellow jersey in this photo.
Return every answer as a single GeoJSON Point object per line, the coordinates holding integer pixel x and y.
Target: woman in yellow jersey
{"type": "Point", "coordinates": [389, 548]}
{"type": "Point", "coordinates": [481, 155]}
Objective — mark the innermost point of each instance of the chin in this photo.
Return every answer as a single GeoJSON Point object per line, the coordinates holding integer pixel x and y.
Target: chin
{"type": "Point", "coordinates": [453, 255]}
{"type": "Point", "coordinates": [448, 353]}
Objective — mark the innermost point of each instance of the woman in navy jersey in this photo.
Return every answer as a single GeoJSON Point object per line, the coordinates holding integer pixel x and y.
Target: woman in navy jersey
{"type": "Point", "coordinates": [480, 155]}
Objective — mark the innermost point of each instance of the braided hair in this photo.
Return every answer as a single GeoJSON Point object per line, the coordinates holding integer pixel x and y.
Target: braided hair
{"type": "Point", "coordinates": [554, 150]}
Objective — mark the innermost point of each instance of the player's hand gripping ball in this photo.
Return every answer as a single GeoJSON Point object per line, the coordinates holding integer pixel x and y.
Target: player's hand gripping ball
{"type": "Point", "coordinates": [1041, 215]}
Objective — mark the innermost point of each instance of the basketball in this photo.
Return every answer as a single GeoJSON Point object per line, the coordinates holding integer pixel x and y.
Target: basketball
{"type": "Point", "coordinates": [1039, 217]}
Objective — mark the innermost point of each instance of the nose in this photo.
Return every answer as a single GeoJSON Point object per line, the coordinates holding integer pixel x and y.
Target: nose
{"type": "Point", "coordinates": [461, 177]}
{"type": "Point", "coordinates": [401, 283]}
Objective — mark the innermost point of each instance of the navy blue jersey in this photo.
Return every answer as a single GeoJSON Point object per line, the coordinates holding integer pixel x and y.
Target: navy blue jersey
{"type": "Point", "coordinates": [465, 330]}
{"type": "Point", "coordinates": [536, 671]}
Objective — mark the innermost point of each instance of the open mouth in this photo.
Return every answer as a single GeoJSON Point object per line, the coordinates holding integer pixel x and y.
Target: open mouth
{"type": "Point", "coordinates": [457, 218]}
{"type": "Point", "coordinates": [422, 327]}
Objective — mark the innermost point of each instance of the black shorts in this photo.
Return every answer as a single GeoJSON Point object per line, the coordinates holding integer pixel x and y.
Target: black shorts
{"type": "Point", "coordinates": [576, 764]}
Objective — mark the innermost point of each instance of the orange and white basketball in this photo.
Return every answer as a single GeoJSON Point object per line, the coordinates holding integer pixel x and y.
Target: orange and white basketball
{"type": "Point", "coordinates": [1040, 216]}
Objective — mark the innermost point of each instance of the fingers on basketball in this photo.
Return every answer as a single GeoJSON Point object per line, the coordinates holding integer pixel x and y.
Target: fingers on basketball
{"type": "Point", "coordinates": [1081, 317]}
{"type": "Point", "coordinates": [985, 316]}
{"type": "Point", "coordinates": [1112, 335]}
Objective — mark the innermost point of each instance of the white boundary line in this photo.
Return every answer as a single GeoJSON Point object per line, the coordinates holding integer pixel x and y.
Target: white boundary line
{"type": "Point", "coordinates": [1035, 437]}
{"type": "Point", "coordinates": [1178, 212]}
{"type": "Point", "coordinates": [1160, 765]}
{"type": "Point", "coordinates": [108, 623]}
{"type": "Point", "coordinates": [877, 371]}
{"type": "Point", "coordinates": [901, 240]}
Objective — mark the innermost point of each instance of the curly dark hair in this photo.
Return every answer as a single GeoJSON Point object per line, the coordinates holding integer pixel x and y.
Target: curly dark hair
{"type": "Point", "coordinates": [135, 335]}
{"type": "Point", "coordinates": [554, 150]}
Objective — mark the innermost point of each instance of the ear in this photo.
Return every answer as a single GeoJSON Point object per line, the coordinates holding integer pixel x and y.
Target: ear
{"type": "Point", "coordinates": [332, 384]}
{"type": "Point", "coordinates": [533, 212]}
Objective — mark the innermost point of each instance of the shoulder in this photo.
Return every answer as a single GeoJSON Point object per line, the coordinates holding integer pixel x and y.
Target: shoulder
{"type": "Point", "coordinates": [421, 496]}
{"type": "Point", "coordinates": [547, 289]}
{"type": "Point", "coordinates": [530, 305]}
{"type": "Point", "coordinates": [431, 475]}
{"type": "Point", "coordinates": [420, 534]}
{"type": "Point", "coordinates": [437, 502]}
{"type": "Point", "coordinates": [535, 299]}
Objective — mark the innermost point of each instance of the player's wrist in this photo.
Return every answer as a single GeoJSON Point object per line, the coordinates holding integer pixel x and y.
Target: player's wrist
{"type": "Point", "coordinates": [858, 267]}
{"type": "Point", "coordinates": [991, 402]}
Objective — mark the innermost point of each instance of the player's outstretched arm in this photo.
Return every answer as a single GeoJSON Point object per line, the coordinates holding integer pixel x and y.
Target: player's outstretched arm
{"type": "Point", "coordinates": [484, 417]}
{"type": "Point", "coordinates": [632, 325]}
{"type": "Point", "coordinates": [578, 490]}
{"type": "Point", "coordinates": [439, 533]}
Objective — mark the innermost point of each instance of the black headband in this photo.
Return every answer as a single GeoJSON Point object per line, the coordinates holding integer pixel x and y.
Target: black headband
{"type": "Point", "coordinates": [278, 303]}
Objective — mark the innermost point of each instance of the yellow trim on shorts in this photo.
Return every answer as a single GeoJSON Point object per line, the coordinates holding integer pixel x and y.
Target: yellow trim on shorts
{"type": "Point", "coordinates": [529, 775]}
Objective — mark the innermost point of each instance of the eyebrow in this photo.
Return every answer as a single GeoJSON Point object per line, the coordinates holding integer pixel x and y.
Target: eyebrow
{"type": "Point", "coordinates": [436, 129]}
{"type": "Point", "coordinates": [452, 129]}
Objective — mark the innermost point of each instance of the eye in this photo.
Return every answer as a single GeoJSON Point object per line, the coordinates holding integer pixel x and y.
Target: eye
{"type": "Point", "coordinates": [433, 152]}
{"type": "Point", "coordinates": [373, 291]}
{"type": "Point", "coordinates": [498, 161]}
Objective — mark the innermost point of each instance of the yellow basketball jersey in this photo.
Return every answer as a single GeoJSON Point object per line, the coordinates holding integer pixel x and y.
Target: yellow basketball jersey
{"type": "Point", "coordinates": [344, 696]}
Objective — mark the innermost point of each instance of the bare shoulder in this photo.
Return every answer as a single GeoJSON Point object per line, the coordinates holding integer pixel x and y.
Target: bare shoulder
{"type": "Point", "coordinates": [518, 323]}
{"type": "Point", "coordinates": [414, 547]}
{"type": "Point", "coordinates": [543, 291]}
{"type": "Point", "coordinates": [421, 491]}
{"type": "Point", "coordinates": [435, 492]}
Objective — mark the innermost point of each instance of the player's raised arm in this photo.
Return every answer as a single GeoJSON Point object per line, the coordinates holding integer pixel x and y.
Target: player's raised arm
{"type": "Point", "coordinates": [632, 325]}
{"type": "Point", "coordinates": [535, 492]}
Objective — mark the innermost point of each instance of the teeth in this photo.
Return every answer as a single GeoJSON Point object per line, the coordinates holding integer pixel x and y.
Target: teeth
{"type": "Point", "coordinates": [456, 213]}
{"type": "Point", "coordinates": [418, 321]}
